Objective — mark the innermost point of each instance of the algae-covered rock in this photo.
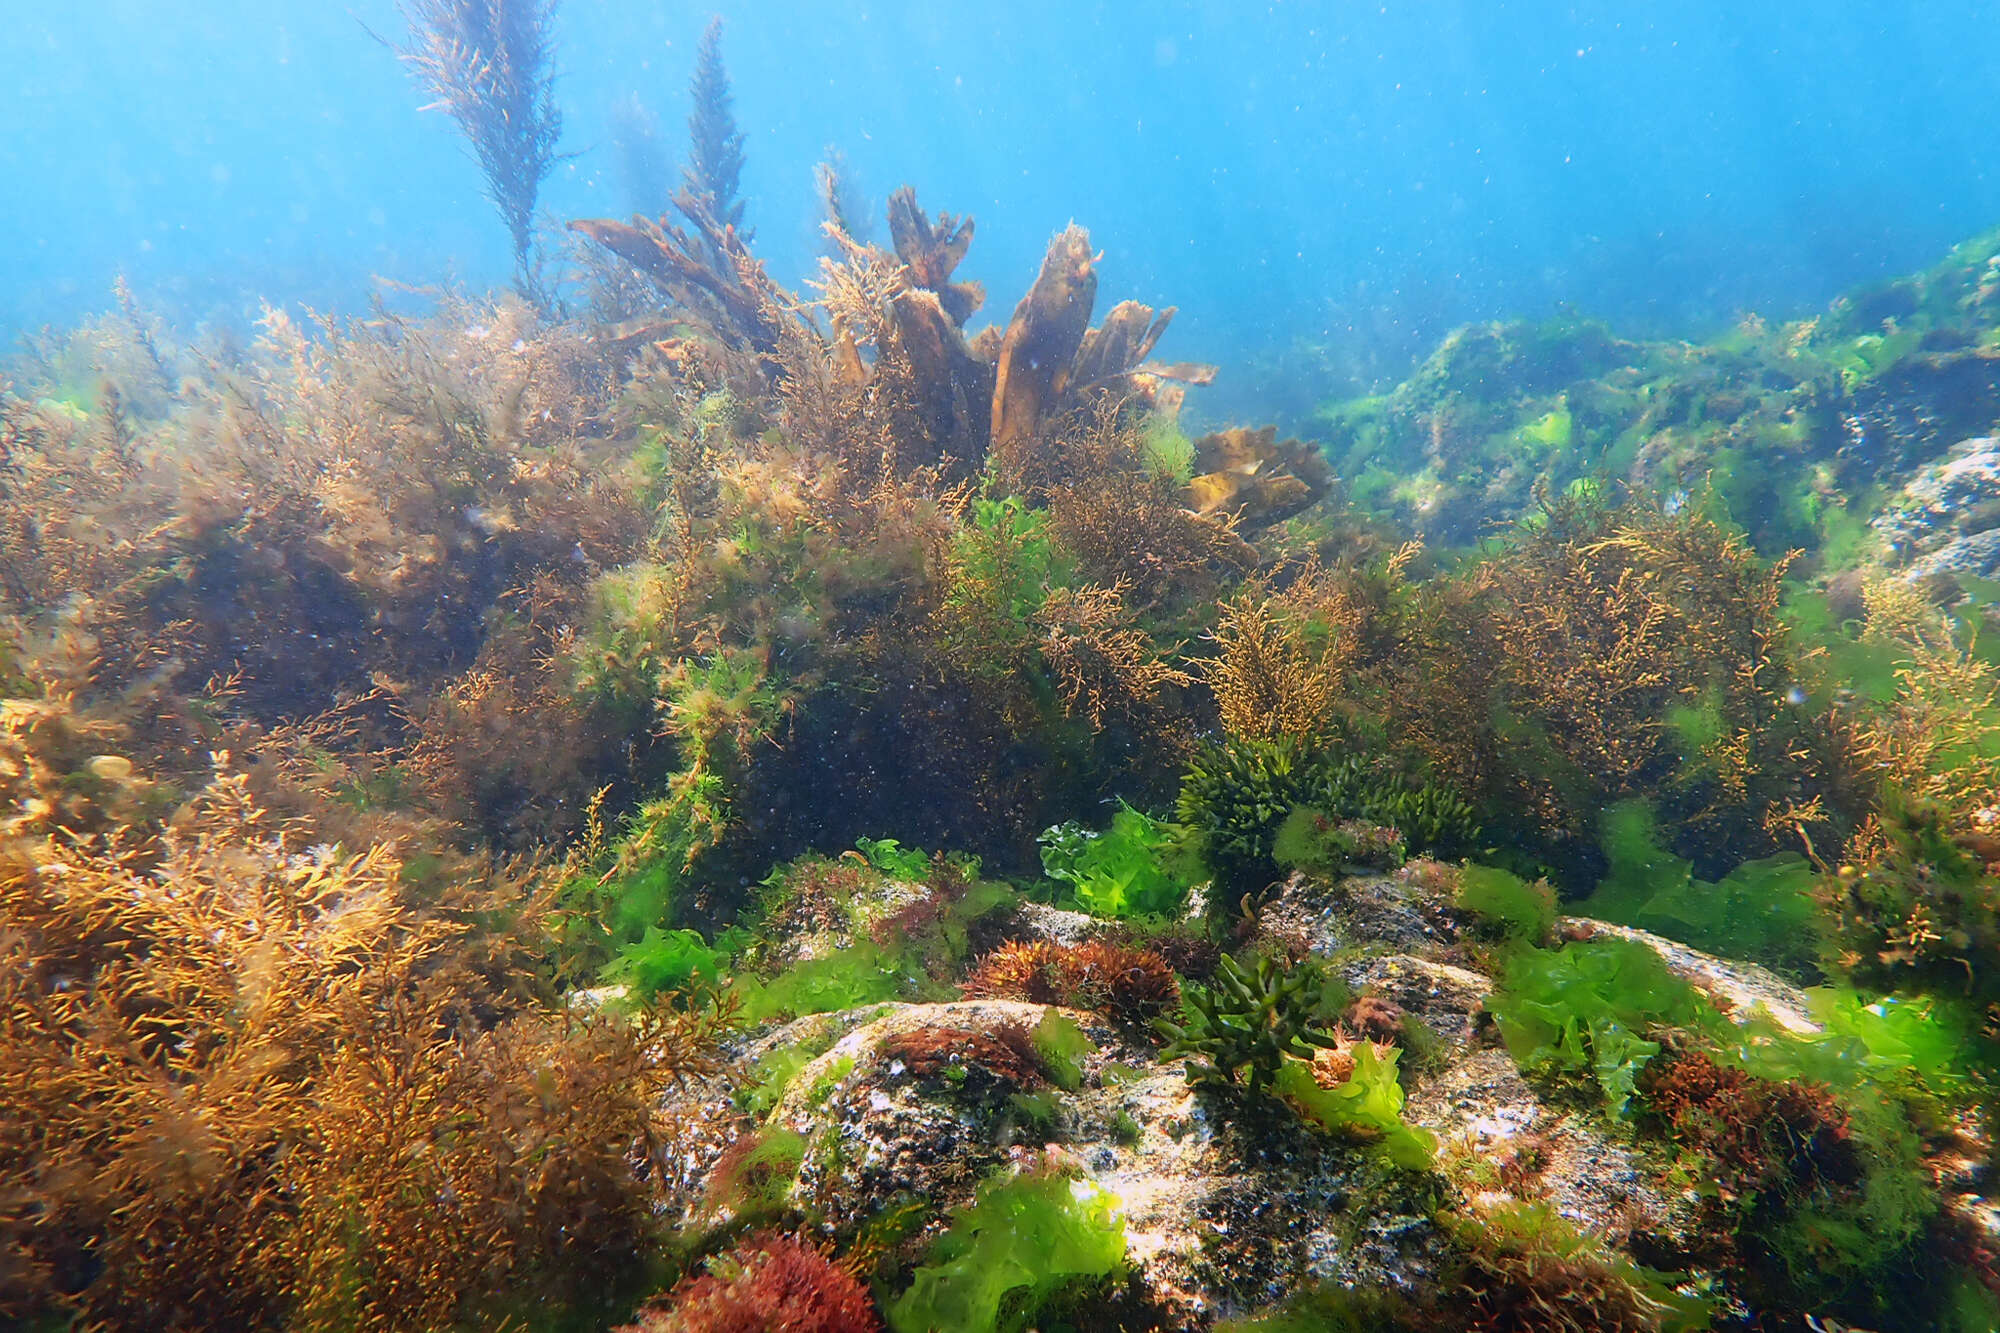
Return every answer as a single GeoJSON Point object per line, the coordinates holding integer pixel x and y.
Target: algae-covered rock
{"type": "Point", "coordinates": [898, 1116]}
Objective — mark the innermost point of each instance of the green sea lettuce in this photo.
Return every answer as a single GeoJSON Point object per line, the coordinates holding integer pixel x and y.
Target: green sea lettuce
{"type": "Point", "coordinates": [1019, 1241]}
{"type": "Point", "coordinates": [1128, 869]}
{"type": "Point", "coordinates": [1061, 1045]}
{"type": "Point", "coordinates": [666, 961]}
{"type": "Point", "coordinates": [1763, 911]}
{"type": "Point", "coordinates": [1371, 1100]}
{"type": "Point", "coordinates": [1587, 1006]}
{"type": "Point", "coordinates": [895, 860]}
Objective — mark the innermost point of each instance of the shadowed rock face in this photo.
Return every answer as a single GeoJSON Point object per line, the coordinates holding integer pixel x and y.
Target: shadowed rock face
{"type": "Point", "coordinates": [1947, 518]}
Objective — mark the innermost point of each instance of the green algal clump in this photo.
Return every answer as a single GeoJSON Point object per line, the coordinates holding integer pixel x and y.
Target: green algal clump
{"type": "Point", "coordinates": [1310, 840]}
{"type": "Point", "coordinates": [1021, 1240]}
{"type": "Point", "coordinates": [640, 883]}
{"type": "Point", "coordinates": [1061, 1046]}
{"type": "Point", "coordinates": [1369, 1102]}
{"type": "Point", "coordinates": [1005, 564]}
{"type": "Point", "coordinates": [896, 955]}
{"type": "Point", "coordinates": [671, 962]}
{"type": "Point", "coordinates": [772, 1073]}
{"type": "Point", "coordinates": [1507, 905]}
{"type": "Point", "coordinates": [1232, 800]}
{"type": "Point", "coordinates": [1912, 1043]}
{"type": "Point", "coordinates": [1332, 1308]}
{"type": "Point", "coordinates": [1762, 911]}
{"type": "Point", "coordinates": [1586, 1007]}
{"type": "Point", "coordinates": [1248, 1023]}
{"type": "Point", "coordinates": [754, 1177]}
{"type": "Point", "coordinates": [862, 973]}
{"type": "Point", "coordinates": [1526, 1255]}
{"type": "Point", "coordinates": [1515, 1266]}
{"type": "Point", "coordinates": [1236, 797]}
{"type": "Point", "coordinates": [1828, 1228]}
{"type": "Point", "coordinates": [895, 860]}
{"type": "Point", "coordinates": [1129, 869]}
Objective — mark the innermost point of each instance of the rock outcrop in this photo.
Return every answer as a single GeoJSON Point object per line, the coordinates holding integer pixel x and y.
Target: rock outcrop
{"type": "Point", "coordinates": [1228, 1206]}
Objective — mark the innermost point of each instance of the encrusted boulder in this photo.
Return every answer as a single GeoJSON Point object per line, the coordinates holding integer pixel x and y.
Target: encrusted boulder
{"type": "Point", "coordinates": [1946, 520]}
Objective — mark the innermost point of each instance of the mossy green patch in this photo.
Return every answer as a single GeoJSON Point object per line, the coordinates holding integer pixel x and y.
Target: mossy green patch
{"type": "Point", "coordinates": [1166, 448]}
{"type": "Point", "coordinates": [862, 973]}
{"type": "Point", "coordinates": [1513, 908]}
{"type": "Point", "coordinates": [772, 1073]}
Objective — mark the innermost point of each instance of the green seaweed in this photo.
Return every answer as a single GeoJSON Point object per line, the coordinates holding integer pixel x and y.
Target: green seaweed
{"type": "Point", "coordinates": [1006, 563]}
{"type": "Point", "coordinates": [1166, 448]}
{"type": "Point", "coordinates": [1509, 906]}
{"type": "Point", "coordinates": [772, 1073]}
{"type": "Point", "coordinates": [1038, 1112]}
{"type": "Point", "coordinates": [1314, 840]}
{"type": "Point", "coordinates": [1865, 1047]}
{"type": "Point", "coordinates": [1248, 1022]}
{"type": "Point", "coordinates": [1061, 1046]}
{"type": "Point", "coordinates": [1371, 1101]}
{"type": "Point", "coordinates": [1864, 667]}
{"type": "Point", "coordinates": [1232, 799]}
{"type": "Point", "coordinates": [671, 961]}
{"type": "Point", "coordinates": [828, 1079]}
{"type": "Point", "coordinates": [1763, 910]}
{"type": "Point", "coordinates": [895, 860]}
{"type": "Point", "coordinates": [863, 973]}
{"type": "Point", "coordinates": [1019, 1242]}
{"type": "Point", "coordinates": [1128, 869]}
{"type": "Point", "coordinates": [755, 1179]}
{"type": "Point", "coordinates": [1522, 1240]}
{"type": "Point", "coordinates": [1236, 797]}
{"type": "Point", "coordinates": [1551, 432]}
{"type": "Point", "coordinates": [652, 867]}
{"type": "Point", "coordinates": [1585, 1007]}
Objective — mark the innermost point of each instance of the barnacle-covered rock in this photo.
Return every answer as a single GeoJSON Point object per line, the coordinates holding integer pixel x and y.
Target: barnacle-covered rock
{"type": "Point", "coordinates": [1946, 520]}
{"type": "Point", "coordinates": [1408, 910]}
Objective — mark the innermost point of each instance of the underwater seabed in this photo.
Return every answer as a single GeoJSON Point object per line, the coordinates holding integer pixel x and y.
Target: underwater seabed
{"type": "Point", "coordinates": [1525, 859]}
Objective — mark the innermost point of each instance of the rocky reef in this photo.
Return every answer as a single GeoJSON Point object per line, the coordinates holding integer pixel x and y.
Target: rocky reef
{"type": "Point", "coordinates": [1528, 859]}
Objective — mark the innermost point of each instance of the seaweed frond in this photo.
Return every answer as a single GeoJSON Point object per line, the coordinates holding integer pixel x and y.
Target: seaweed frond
{"type": "Point", "coordinates": [767, 1281]}
{"type": "Point", "coordinates": [490, 64]}
{"type": "Point", "coordinates": [715, 146]}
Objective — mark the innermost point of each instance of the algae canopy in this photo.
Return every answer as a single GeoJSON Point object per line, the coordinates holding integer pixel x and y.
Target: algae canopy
{"type": "Point", "coordinates": [880, 666]}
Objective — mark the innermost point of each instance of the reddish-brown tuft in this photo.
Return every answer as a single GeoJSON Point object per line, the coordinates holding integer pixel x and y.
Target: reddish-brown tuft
{"type": "Point", "coordinates": [767, 1282]}
{"type": "Point", "coordinates": [1006, 1053]}
{"type": "Point", "coordinates": [1131, 985]}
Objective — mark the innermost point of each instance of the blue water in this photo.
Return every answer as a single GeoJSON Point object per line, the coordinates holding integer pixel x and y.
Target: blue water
{"type": "Point", "coordinates": [1344, 180]}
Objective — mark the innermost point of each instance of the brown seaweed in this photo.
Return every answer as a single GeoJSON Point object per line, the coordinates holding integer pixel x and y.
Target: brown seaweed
{"type": "Point", "coordinates": [490, 64]}
{"type": "Point", "coordinates": [1041, 343]}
